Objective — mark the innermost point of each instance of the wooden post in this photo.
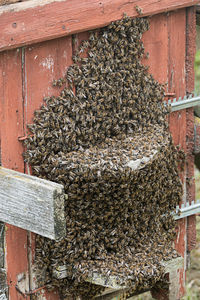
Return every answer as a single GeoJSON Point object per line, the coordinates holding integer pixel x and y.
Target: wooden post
{"type": "Point", "coordinates": [42, 63]}
{"type": "Point", "coordinates": [11, 157]}
{"type": "Point", "coordinates": [190, 182]}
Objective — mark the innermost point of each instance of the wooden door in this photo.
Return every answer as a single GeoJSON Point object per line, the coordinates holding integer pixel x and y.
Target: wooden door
{"type": "Point", "coordinates": [26, 78]}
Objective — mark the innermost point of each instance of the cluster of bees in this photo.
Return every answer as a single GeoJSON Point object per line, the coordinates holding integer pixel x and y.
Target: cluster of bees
{"type": "Point", "coordinates": [106, 139]}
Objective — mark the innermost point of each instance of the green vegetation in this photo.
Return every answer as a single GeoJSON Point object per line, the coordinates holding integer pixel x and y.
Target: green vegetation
{"type": "Point", "coordinates": [197, 72]}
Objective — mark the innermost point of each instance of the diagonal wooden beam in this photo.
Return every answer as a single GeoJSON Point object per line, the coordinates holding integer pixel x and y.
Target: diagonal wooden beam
{"type": "Point", "coordinates": [34, 21]}
{"type": "Point", "coordinates": [32, 203]}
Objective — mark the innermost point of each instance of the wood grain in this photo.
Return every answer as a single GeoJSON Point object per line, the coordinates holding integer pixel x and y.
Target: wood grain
{"type": "Point", "coordinates": [5, 2]}
{"type": "Point", "coordinates": [35, 21]}
{"type": "Point", "coordinates": [190, 58]}
{"type": "Point", "coordinates": [167, 62]}
{"type": "Point", "coordinates": [43, 62]}
{"type": "Point", "coordinates": [113, 281]}
{"type": "Point", "coordinates": [37, 79]}
{"type": "Point", "coordinates": [177, 122]}
{"type": "Point", "coordinates": [156, 44]}
{"type": "Point", "coordinates": [11, 152]}
{"type": "Point", "coordinates": [31, 203]}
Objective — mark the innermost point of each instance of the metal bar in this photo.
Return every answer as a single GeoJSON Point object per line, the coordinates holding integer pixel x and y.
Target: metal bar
{"type": "Point", "coordinates": [187, 210]}
{"type": "Point", "coordinates": [183, 103]}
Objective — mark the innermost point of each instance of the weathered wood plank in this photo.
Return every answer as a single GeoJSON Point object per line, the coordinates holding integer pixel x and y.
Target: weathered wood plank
{"type": "Point", "coordinates": [113, 281]}
{"type": "Point", "coordinates": [11, 157]}
{"type": "Point", "coordinates": [171, 267]}
{"type": "Point", "coordinates": [43, 63]}
{"type": "Point", "coordinates": [32, 203]}
{"type": "Point", "coordinates": [5, 2]}
{"type": "Point", "coordinates": [107, 291]}
{"type": "Point", "coordinates": [190, 75]}
{"type": "Point", "coordinates": [177, 123]}
{"type": "Point", "coordinates": [155, 43]}
{"type": "Point", "coordinates": [110, 296]}
{"type": "Point", "coordinates": [35, 21]}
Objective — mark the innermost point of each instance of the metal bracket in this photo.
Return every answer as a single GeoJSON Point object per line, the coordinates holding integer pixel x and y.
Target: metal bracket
{"type": "Point", "coordinates": [187, 210]}
{"type": "Point", "coordinates": [182, 103]}
{"type": "Point", "coordinates": [3, 296]}
{"type": "Point", "coordinates": [25, 294]}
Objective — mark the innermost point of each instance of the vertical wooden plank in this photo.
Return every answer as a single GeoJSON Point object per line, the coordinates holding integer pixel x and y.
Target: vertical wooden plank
{"type": "Point", "coordinates": [156, 45]}
{"type": "Point", "coordinates": [1, 95]}
{"type": "Point", "coordinates": [190, 184]}
{"type": "Point", "coordinates": [3, 282]}
{"type": "Point", "coordinates": [162, 62]}
{"type": "Point", "coordinates": [165, 42]}
{"type": "Point", "coordinates": [11, 128]}
{"type": "Point", "coordinates": [43, 63]}
{"type": "Point", "coordinates": [177, 120]}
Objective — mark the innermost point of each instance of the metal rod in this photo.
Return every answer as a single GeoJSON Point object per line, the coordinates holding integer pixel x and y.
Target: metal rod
{"type": "Point", "coordinates": [187, 210]}
{"type": "Point", "coordinates": [183, 103]}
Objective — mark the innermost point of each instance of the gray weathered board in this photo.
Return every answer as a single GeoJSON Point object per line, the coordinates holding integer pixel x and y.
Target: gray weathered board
{"type": "Point", "coordinates": [170, 267]}
{"type": "Point", "coordinates": [112, 282]}
{"type": "Point", "coordinates": [32, 203]}
{"type": "Point", "coordinates": [112, 287]}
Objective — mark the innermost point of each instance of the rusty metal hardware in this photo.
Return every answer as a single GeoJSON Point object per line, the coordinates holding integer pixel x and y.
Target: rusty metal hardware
{"type": "Point", "coordinates": [32, 292]}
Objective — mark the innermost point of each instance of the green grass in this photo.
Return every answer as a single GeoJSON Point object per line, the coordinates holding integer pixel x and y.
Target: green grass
{"type": "Point", "coordinates": [197, 72]}
{"type": "Point", "coordinates": [197, 183]}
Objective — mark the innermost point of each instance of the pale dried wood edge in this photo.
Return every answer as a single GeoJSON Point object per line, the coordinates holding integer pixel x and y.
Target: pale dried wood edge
{"type": "Point", "coordinates": [117, 293]}
{"type": "Point", "coordinates": [32, 203]}
{"type": "Point", "coordinates": [19, 6]}
{"type": "Point", "coordinates": [6, 2]}
{"type": "Point", "coordinates": [34, 21]}
{"type": "Point", "coordinates": [112, 282]}
{"type": "Point", "coordinates": [170, 267]}
{"type": "Point", "coordinates": [110, 295]}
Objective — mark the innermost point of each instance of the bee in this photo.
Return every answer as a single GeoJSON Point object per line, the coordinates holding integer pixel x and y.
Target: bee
{"type": "Point", "coordinates": [109, 113]}
{"type": "Point", "coordinates": [147, 55]}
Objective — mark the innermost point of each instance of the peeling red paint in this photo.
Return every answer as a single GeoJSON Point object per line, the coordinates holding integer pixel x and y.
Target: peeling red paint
{"type": "Point", "coordinates": [190, 182]}
{"type": "Point", "coordinates": [166, 41]}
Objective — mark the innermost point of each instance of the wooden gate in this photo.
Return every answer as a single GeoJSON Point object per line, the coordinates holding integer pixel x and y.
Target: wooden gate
{"type": "Point", "coordinates": [37, 43]}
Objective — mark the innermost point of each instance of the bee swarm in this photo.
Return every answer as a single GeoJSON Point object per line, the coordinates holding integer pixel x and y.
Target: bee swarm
{"type": "Point", "coordinates": [106, 139]}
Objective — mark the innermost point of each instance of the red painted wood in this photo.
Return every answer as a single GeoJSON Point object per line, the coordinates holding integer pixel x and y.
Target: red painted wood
{"type": "Point", "coordinates": [22, 26]}
{"type": "Point", "coordinates": [1, 93]}
{"type": "Point", "coordinates": [155, 44]}
{"type": "Point", "coordinates": [165, 41]}
{"type": "Point", "coordinates": [11, 150]}
{"type": "Point", "coordinates": [172, 58]}
{"type": "Point", "coordinates": [177, 120]}
{"type": "Point", "coordinates": [44, 62]}
{"type": "Point", "coordinates": [190, 56]}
